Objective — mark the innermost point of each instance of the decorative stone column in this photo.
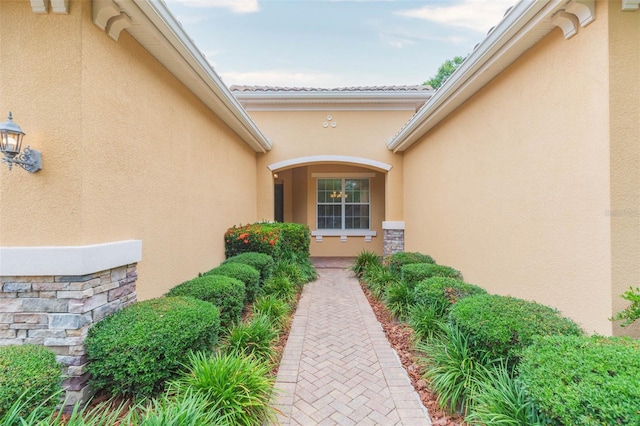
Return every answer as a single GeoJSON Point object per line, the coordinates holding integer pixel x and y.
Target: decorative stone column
{"type": "Point", "coordinates": [57, 310]}
{"type": "Point", "coordinates": [393, 237]}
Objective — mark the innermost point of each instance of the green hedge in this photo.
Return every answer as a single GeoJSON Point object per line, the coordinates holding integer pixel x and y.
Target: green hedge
{"type": "Point", "coordinates": [227, 293]}
{"type": "Point", "coordinates": [397, 260]}
{"type": "Point", "coordinates": [249, 275]}
{"type": "Point", "coordinates": [502, 326]}
{"type": "Point", "coordinates": [279, 240]}
{"type": "Point", "coordinates": [133, 352]}
{"type": "Point", "coordinates": [442, 292]}
{"type": "Point", "coordinates": [585, 381]}
{"type": "Point", "coordinates": [30, 370]}
{"type": "Point", "coordinates": [413, 273]}
{"type": "Point", "coordinates": [262, 262]}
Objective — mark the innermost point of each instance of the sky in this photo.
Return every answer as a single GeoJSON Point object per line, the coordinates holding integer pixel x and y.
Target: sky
{"type": "Point", "coordinates": [334, 43]}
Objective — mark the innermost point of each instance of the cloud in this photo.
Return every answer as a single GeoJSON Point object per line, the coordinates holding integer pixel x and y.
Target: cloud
{"type": "Point", "coordinates": [235, 6]}
{"type": "Point", "coordinates": [288, 78]}
{"type": "Point", "coordinates": [476, 15]}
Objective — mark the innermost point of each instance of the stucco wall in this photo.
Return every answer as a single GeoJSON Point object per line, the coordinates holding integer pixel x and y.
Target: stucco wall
{"type": "Point", "coordinates": [128, 152]}
{"type": "Point", "coordinates": [513, 188]}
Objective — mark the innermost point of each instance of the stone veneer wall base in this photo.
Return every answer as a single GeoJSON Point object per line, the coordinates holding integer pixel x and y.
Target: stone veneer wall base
{"type": "Point", "coordinates": [57, 312]}
{"type": "Point", "coordinates": [393, 241]}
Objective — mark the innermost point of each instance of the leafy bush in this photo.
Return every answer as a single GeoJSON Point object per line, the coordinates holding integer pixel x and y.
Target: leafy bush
{"type": "Point", "coordinates": [426, 322]}
{"type": "Point", "coordinates": [503, 326]}
{"type": "Point", "coordinates": [398, 298]}
{"type": "Point", "coordinates": [413, 273]}
{"type": "Point", "coordinates": [252, 338]}
{"type": "Point", "coordinates": [583, 380]}
{"type": "Point", "coordinates": [187, 409]}
{"type": "Point", "coordinates": [273, 308]}
{"type": "Point", "coordinates": [365, 260]}
{"type": "Point", "coordinates": [135, 350]}
{"type": "Point", "coordinates": [31, 371]}
{"type": "Point", "coordinates": [279, 240]}
{"type": "Point", "coordinates": [377, 278]}
{"type": "Point", "coordinates": [262, 262]}
{"type": "Point", "coordinates": [453, 369]}
{"type": "Point", "coordinates": [502, 400]}
{"type": "Point", "coordinates": [397, 260]}
{"type": "Point", "coordinates": [280, 287]}
{"type": "Point", "coordinates": [632, 312]}
{"type": "Point", "coordinates": [242, 272]}
{"type": "Point", "coordinates": [237, 387]}
{"type": "Point", "coordinates": [441, 292]}
{"type": "Point", "coordinates": [227, 293]}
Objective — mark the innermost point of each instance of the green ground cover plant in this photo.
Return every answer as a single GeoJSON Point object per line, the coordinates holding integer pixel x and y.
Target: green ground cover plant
{"type": "Point", "coordinates": [226, 293]}
{"type": "Point", "coordinates": [253, 337]}
{"type": "Point", "coordinates": [133, 352]}
{"type": "Point", "coordinates": [280, 287]}
{"type": "Point", "coordinates": [589, 381]}
{"type": "Point", "coordinates": [274, 309]}
{"type": "Point", "coordinates": [502, 326]}
{"type": "Point", "coordinates": [28, 370]}
{"type": "Point", "coordinates": [397, 260]}
{"type": "Point", "coordinates": [377, 278]}
{"type": "Point", "coordinates": [363, 261]}
{"type": "Point", "coordinates": [398, 298]}
{"type": "Point", "coordinates": [249, 275]}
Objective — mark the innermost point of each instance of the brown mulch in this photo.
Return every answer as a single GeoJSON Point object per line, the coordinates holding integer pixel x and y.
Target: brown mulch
{"type": "Point", "coordinates": [400, 336]}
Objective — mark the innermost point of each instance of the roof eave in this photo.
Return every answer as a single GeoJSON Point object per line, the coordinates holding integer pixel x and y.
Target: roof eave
{"type": "Point", "coordinates": [523, 26]}
{"type": "Point", "coordinates": [151, 23]}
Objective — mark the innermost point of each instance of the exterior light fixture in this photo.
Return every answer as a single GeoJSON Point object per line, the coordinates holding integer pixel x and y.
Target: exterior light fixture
{"type": "Point", "coordinates": [10, 143]}
{"type": "Point", "coordinates": [335, 194]}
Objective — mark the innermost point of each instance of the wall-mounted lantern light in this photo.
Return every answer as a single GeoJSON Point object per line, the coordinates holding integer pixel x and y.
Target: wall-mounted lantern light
{"type": "Point", "coordinates": [10, 143]}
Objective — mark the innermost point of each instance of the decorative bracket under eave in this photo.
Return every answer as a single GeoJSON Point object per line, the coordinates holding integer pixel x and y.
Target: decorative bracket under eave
{"type": "Point", "coordinates": [108, 17]}
{"type": "Point", "coordinates": [57, 6]}
{"type": "Point", "coordinates": [630, 5]}
{"type": "Point", "coordinates": [576, 14]}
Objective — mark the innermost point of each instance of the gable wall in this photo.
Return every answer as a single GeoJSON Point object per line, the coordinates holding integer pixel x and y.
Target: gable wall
{"type": "Point", "coordinates": [513, 188]}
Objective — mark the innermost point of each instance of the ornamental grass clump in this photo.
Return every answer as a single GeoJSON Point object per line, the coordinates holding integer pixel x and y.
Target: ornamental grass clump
{"type": "Point", "coordinates": [425, 321]}
{"type": "Point", "coordinates": [249, 275]}
{"type": "Point", "coordinates": [227, 293]}
{"type": "Point", "coordinates": [133, 352]}
{"type": "Point", "coordinates": [413, 273]}
{"type": "Point", "coordinates": [262, 262]}
{"type": "Point", "coordinates": [274, 309]}
{"type": "Point", "coordinates": [398, 298]}
{"type": "Point", "coordinates": [440, 293]}
{"type": "Point", "coordinates": [238, 388]}
{"type": "Point", "coordinates": [281, 288]}
{"type": "Point", "coordinates": [252, 337]}
{"type": "Point", "coordinates": [377, 279]}
{"type": "Point", "coordinates": [363, 261]}
{"type": "Point", "coordinates": [397, 260]}
{"type": "Point", "coordinates": [589, 381]}
{"type": "Point", "coordinates": [502, 326]}
{"type": "Point", "coordinates": [28, 373]}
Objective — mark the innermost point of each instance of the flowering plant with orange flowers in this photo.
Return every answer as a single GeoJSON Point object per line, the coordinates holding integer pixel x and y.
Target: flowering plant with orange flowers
{"type": "Point", "coordinates": [272, 238]}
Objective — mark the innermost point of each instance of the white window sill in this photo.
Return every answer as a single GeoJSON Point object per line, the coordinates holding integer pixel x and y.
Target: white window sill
{"type": "Point", "coordinates": [343, 234]}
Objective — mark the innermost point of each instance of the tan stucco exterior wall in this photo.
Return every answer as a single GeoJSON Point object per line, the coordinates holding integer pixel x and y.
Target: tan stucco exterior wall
{"type": "Point", "coordinates": [513, 188]}
{"type": "Point", "coordinates": [624, 104]}
{"type": "Point", "coordinates": [128, 151]}
{"type": "Point", "coordinates": [357, 133]}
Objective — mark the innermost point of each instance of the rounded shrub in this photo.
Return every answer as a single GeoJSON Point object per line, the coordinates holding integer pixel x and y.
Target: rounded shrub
{"type": "Point", "coordinates": [243, 272]}
{"type": "Point", "coordinates": [413, 273]}
{"type": "Point", "coordinates": [227, 293]}
{"type": "Point", "coordinates": [397, 260]}
{"type": "Point", "coordinates": [502, 326]}
{"type": "Point", "coordinates": [440, 293]}
{"type": "Point", "coordinates": [262, 262]}
{"type": "Point", "coordinates": [134, 351]}
{"type": "Point", "coordinates": [30, 371]}
{"type": "Point", "coordinates": [583, 380]}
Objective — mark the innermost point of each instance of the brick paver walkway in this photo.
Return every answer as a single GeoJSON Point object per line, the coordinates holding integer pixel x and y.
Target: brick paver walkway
{"type": "Point", "coordinates": [338, 367]}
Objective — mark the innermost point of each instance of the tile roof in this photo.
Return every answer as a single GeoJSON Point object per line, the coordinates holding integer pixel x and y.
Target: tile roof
{"type": "Point", "coordinates": [415, 88]}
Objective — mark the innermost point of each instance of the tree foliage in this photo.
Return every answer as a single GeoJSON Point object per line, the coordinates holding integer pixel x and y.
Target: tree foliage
{"type": "Point", "coordinates": [445, 70]}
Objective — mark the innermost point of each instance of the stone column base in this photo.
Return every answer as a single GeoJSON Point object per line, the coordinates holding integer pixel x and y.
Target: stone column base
{"type": "Point", "coordinates": [393, 237]}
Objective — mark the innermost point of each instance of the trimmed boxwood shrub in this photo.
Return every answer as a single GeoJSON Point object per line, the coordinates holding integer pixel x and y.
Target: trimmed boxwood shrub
{"type": "Point", "coordinates": [243, 272]}
{"type": "Point", "coordinates": [133, 352]}
{"type": "Point", "coordinates": [30, 370]}
{"type": "Point", "coordinates": [583, 380]}
{"type": "Point", "coordinates": [502, 326]}
{"type": "Point", "coordinates": [440, 293]}
{"type": "Point", "coordinates": [397, 260]}
{"type": "Point", "coordinates": [413, 273]}
{"type": "Point", "coordinates": [227, 293]}
{"type": "Point", "coordinates": [262, 262]}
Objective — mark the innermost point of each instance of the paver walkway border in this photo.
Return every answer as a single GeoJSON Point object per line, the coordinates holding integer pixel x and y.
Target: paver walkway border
{"type": "Point", "coordinates": [338, 367]}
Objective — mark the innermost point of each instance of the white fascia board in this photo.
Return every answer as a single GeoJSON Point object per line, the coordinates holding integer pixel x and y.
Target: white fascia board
{"type": "Point", "coordinates": [294, 162]}
{"type": "Point", "coordinates": [525, 24]}
{"type": "Point", "coordinates": [68, 260]}
{"type": "Point", "coordinates": [177, 52]}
